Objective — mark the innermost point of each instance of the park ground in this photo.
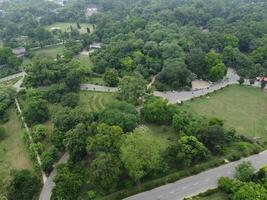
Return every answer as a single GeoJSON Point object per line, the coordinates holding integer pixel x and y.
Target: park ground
{"type": "Point", "coordinates": [13, 153]}
{"type": "Point", "coordinates": [241, 107]}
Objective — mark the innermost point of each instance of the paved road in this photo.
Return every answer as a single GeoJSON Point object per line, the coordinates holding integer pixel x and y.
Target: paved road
{"type": "Point", "coordinates": [179, 96]}
{"type": "Point", "coordinates": [92, 87]}
{"type": "Point", "coordinates": [49, 184]}
{"type": "Point", "coordinates": [196, 184]}
{"type": "Point", "coordinates": [8, 78]}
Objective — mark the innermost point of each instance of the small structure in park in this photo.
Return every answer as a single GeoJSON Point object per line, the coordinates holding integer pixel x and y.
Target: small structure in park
{"type": "Point", "coordinates": [91, 9]}
{"type": "Point", "coordinates": [19, 51]}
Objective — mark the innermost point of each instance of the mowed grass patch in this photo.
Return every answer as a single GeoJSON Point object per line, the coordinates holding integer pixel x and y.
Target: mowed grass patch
{"type": "Point", "coordinates": [13, 153]}
{"type": "Point", "coordinates": [241, 107]}
{"type": "Point", "coordinates": [49, 51]}
{"type": "Point", "coordinates": [93, 101]}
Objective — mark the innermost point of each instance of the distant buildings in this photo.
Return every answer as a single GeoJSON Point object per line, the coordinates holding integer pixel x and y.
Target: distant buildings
{"type": "Point", "coordinates": [91, 9]}
{"type": "Point", "coordinates": [19, 51]}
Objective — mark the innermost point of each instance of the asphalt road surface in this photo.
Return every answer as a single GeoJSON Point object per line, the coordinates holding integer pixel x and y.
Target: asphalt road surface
{"type": "Point", "coordinates": [49, 184]}
{"type": "Point", "coordinates": [201, 182]}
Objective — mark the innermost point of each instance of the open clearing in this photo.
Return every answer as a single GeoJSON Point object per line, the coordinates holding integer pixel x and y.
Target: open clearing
{"type": "Point", "coordinates": [241, 107]}
{"type": "Point", "coordinates": [13, 153]}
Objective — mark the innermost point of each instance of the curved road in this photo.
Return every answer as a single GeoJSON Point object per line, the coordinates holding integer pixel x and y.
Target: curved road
{"type": "Point", "coordinates": [49, 184]}
{"type": "Point", "coordinates": [193, 185]}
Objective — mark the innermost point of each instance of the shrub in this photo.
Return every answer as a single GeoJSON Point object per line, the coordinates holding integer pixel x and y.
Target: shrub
{"type": "Point", "coordinates": [91, 195]}
{"type": "Point", "coordinates": [39, 133]}
{"type": "Point", "coordinates": [70, 100]}
{"type": "Point", "coordinates": [244, 171]}
{"type": "Point", "coordinates": [48, 158]}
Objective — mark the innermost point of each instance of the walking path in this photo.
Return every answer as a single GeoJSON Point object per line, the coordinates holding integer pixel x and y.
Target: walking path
{"type": "Point", "coordinates": [13, 76]}
{"type": "Point", "coordinates": [193, 185]}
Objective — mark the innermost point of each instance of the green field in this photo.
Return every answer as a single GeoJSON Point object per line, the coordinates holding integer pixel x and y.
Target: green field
{"type": "Point", "coordinates": [92, 101]}
{"type": "Point", "coordinates": [65, 27]}
{"type": "Point", "coordinates": [215, 196]}
{"type": "Point", "coordinates": [13, 153]}
{"type": "Point", "coordinates": [49, 51]}
{"type": "Point", "coordinates": [241, 107]}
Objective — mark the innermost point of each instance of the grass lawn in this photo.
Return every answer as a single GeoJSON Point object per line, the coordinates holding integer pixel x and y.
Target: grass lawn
{"type": "Point", "coordinates": [92, 101]}
{"type": "Point", "coordinates": [216, 196]}
{"type": "Point", "coordinates": [13, 153]}
{"type": "Point", "coordinates": [241, 107]}
{"type": "Point", "coordinates": [49, 51]}
{"type": "Point", "coordinates": [65, 27]}
{"type": "Point", "coordinates": [165, 134]}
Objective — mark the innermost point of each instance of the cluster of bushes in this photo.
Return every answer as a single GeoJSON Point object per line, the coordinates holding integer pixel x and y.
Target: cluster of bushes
{"type": "Point", "coordinates": [247, 184]}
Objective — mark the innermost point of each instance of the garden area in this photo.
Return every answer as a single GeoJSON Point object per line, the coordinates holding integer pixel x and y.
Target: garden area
{"type": "Point", "coordinates": [241, 107]}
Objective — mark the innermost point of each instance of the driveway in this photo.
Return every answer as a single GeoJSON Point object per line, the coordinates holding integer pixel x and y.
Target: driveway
{"type": "Point", "coordinates": [199, 183]}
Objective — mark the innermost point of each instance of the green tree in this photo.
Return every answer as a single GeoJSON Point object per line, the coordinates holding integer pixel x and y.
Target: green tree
{"type": "Point", "coordinates": [67, 184]}
{"type": "Point", "coordinates": [191, 151]}
{"type": "Point", "coordinates": [24, 185]}
{"type": "Point", "coordinates": [107, 139]}
{"type": "Point", "coordinates": [39, 133]}
{"type": "Point", "coordinates": [105, 171]}
{"type": "Point", "coordinates": [132, 89]}
{"type": "Point", "coordinates": [36, 111]}
{"type": "Point", "coordinates": [111, 77]}
{"type": "Point", "coordinates": [244, 171]}
{"type": "Point", "coordinates": [70, 100]}
{"type": "Point", "coordinates": [75, 142]}
{"type": "Point", "coordinates": [217, 72]}
{"type": "Point", "coordinates": [141, 154]}
{"type": "Point", "coordinates": [156, 111]}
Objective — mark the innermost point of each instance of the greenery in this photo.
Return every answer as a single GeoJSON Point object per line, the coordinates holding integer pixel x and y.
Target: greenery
{"type": "Point", "coordinates": [13, 153]}
{"type": "Point", "coordinates": [244, 171]}
{"type": "Point", "coordinates": [94, 101]}
{"type": "Point", "coordinates": [23, 185]}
